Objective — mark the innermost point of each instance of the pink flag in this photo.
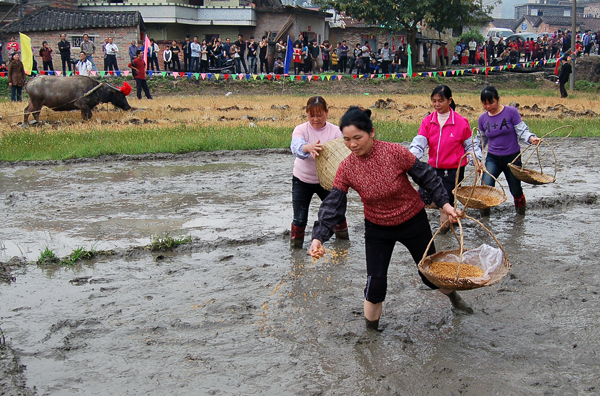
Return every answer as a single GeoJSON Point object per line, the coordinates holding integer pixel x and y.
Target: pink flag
{"type": "Point", "coordinates": [146, 46]}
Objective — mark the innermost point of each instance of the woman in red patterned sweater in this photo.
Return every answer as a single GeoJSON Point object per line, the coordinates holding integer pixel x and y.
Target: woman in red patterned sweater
{"type": "Point", "coordinates": [378, 171]}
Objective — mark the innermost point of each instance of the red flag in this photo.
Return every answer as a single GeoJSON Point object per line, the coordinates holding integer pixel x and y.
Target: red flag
{"type": "Point", "coordinates": [486, 60]}
{"type": "Point", "coordinates": [557, 63]}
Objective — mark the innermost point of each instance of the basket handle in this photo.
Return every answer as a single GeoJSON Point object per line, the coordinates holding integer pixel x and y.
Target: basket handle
{"type": "Point", "coordinates": [477, 178]}
{"type": "Point", "coordinates": [537, 147]}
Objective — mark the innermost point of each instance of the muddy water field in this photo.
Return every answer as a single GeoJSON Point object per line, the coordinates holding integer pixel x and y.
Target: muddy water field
{"type": "Point", "coordinates": [236, 312]}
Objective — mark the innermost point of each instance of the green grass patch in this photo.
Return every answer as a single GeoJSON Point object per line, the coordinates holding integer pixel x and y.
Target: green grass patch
{"type": "Point", "coordinates": [31, 144]}
{"type": "Point", "coordinates": [79, 254]}
{"type": "Point", "coordinates": [167, 242]}
{"type": "Point", "coordinates": [47, 256]}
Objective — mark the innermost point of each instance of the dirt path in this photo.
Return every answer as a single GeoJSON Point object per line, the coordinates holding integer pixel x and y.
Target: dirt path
{"type": "Point", "coordinates": [236, 312]}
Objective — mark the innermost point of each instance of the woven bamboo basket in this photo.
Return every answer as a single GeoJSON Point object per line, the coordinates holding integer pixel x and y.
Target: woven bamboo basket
{"type": "Point", "coordinates": [478, 196]}
{"type": "Point", "coordinates": [532, 176]}
{"type": "Point", "coordinates": [483, 197]}
{"type": "Point", "coordinates": [328, 161]}
{"type": "Point", "coordinates": [457, 283]}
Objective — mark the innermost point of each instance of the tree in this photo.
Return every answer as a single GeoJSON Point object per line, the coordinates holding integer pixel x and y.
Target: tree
{"type": "Point", "coordinates": [404, 15]}
{"type": "Point", "coordinates": [454, 14]}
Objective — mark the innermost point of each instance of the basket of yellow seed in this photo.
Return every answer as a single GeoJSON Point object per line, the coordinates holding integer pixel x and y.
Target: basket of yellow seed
{"type": "Point", "coordinates": [465, 269]}
{"type": "Point", "coordinates": [328, 161]}
{"type": "Point", "coordinates": [478, 196]}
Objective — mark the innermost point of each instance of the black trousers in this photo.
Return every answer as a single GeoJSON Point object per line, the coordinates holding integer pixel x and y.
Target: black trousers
{"type": "Point", "coordinates": [48, 65]}
{"type": "Point", "coordinates": [414, 234]}
{"type": "Point", "coordinates": [174, 61]}
{"type": "Point", "coordinates": [343, 61]}
{"type": "Point", "coordinates": [142, 84]}
{"type": "Point", "coordinates": [563, 91]}
{"type": "Point", "coordinates": [65, 59]}
{"type": "Point", "coordinates": [187, 62]}
{"type": "Point", "coordinates": [111, 62]}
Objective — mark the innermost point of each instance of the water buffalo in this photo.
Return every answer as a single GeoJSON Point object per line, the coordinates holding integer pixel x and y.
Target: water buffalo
{"type": "Point", "coordinates": [72, 93]}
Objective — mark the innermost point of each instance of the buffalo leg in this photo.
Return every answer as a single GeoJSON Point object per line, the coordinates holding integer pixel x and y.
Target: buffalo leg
{"type": "Point", "coordinates": [86, 113]}
{"type": "Point", "coordinates": [31, 109]}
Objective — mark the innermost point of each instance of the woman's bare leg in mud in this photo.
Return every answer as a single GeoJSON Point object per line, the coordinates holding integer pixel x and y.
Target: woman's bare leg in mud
{"type": "Point", "coordinates": [372, 314]}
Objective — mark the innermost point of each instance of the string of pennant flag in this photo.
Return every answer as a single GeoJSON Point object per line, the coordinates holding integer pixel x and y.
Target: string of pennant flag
{"type": "Point", "coordinates": [309, 77]}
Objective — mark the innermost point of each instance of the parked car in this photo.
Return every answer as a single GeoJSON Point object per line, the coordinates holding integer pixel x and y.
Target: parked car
{"type": "Point", "coordinates": [523, 36]}
{"type": "Point", "coordinates": [496, 33]}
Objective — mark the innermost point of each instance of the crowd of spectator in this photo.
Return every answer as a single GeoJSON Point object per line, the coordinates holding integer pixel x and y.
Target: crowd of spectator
{"type": "Point", "coordinates": [545, 47]}
{"type": "Point", "coordinates": [307, 56]}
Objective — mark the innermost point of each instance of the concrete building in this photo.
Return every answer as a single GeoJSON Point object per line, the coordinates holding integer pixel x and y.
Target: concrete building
{"type": "Point", "coordinates": [172, 20]}
{"type": "Point", "coordinates": [547, 8]}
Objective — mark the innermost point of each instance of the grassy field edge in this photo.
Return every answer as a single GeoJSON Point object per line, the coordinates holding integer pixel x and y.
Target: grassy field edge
{"type": "Point", "coordinates": [38, 145]}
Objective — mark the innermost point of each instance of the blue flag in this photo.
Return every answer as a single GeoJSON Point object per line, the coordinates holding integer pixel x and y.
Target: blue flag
{"type": "Point", "coordinates": [288, 56]}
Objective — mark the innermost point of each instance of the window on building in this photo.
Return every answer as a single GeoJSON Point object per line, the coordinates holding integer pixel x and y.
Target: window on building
{"type": "Point", "coordinates": [76, 40]}
{"type": "Point", "coordinates": [196, 2]}
{"type": "Point", "coordinates": [567, 13]}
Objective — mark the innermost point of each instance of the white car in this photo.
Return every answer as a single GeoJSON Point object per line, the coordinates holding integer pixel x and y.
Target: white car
{"type": "Point", "coordinates": [496, 33]}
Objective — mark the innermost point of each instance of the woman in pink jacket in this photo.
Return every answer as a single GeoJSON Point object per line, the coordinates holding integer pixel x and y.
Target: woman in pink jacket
{"type": "Point", "coordinates": [307, 143]}
{"type": "Point", "coordinates": [448, 136]}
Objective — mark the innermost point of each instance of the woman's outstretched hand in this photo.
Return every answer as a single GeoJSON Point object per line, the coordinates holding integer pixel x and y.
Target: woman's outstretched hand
{"type": "Point", "coordinates": [535, 140]}
{"type": "Point", "coordinates": [313, 148]}
{"type": "Point", "coordinates": [316, 249]}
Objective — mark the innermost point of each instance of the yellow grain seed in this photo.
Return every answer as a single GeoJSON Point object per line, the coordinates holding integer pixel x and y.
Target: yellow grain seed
{"type": "Point", "coordinates": [449, 269]}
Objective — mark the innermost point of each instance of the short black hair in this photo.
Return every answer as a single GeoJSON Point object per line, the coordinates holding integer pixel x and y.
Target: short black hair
{"type": "Point", "coordinates": [137, 52]}
{"type": "Point", "coordinates": [359, 117]}
{"type": "Point", "coordinates": [488, 94]}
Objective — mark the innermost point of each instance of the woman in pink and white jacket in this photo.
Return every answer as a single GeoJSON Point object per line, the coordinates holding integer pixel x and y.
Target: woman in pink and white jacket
{"type": "Point", "coordinates": [448, 136]}
{"type": "Point", "coordinates": [307, 143]}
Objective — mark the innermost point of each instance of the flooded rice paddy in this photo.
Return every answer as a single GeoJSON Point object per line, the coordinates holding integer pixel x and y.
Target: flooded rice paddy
{"type": "Point", "coordinates": [236, 312]}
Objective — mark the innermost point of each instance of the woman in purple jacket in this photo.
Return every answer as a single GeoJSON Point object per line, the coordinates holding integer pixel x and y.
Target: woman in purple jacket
{"type": "Point", "coordinates": [502, 128]}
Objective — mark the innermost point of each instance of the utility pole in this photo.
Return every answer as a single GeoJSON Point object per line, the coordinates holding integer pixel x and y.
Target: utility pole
{"type": "Point", "coordinates": [573, 35]}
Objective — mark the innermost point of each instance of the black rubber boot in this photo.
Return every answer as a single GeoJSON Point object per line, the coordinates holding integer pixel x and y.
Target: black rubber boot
{"type": "Point", "coordinates": [485, 212]}
{"type": "Point", "coordinates": [341, 231]}
{"type": "Point", "coordinates": [372, 325]}
{"type": "Point", "coordinates": [458, 303]}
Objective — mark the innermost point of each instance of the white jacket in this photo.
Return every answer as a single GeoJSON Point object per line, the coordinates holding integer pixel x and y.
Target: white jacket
{"type": "Point", "coordinates": [84, 67]}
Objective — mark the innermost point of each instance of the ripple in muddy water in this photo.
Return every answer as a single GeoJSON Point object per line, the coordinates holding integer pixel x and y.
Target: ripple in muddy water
{"type": "Point", "coordinates": [237, 312]}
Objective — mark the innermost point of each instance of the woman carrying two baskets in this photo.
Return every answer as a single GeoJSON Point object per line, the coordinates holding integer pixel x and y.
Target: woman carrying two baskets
{"type": "Point", "coordinates": [394, 212]}
{"type": "Point", "coordinates": [449, 137]}
{"type": "Point", "coordinates": [501, 129]}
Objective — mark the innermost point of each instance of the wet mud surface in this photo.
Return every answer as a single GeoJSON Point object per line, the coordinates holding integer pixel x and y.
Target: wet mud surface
{"type": "Point", "coordinates": [236, 312]}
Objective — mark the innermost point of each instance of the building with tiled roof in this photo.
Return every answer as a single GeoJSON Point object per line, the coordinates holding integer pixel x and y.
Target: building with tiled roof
{"type": "Point", "coordinates": [61, 19]}
{"type": "Point", "coordinates": [48, 23]}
